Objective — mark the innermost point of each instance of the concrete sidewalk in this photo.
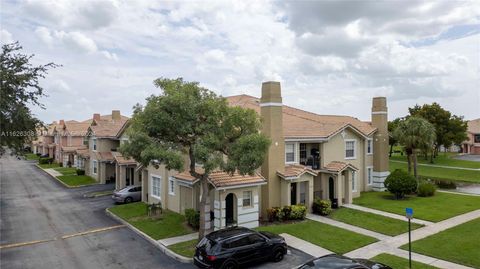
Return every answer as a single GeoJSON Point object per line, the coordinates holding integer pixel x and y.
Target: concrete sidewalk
{"type": "Point", "coordinates": [386, 214]}
{"type": "Point", "coordinates": [346, 226]}
{"type": "Point", "coordinates": [178, 239]}
{"type": "Point", "coordinates": [428, 260]}
{"type": "Point", "coordinates": [52, 172]}
{"type": "Point", "coordinates": [305, 246]}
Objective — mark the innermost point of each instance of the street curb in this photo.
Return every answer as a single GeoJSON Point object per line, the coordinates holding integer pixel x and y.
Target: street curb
{"type": "Point", "coordinates": [63, 183]}
{"type": "Point", "coordinates": [154, 242]}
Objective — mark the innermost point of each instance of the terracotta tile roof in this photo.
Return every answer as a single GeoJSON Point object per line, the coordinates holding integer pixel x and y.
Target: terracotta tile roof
{"type": "Point", "coordinates": [122, 160]}
{"type": "Point", "coordinates": [295, 171]}
{"type": "Point", "coordinates": [104, 156]}
{"type": "Point", "coordinates": [474, 126]}
{"type": "Point", "coordinates": [298, 123]}
{"type": "Point", "coordinates": [108, 127]}
{"type": "Point", "coordinates": [220, 179]}
{"type": "Point", "coordinates": [76, 128]}
{"type": "Point", "coordinates": [84, 152]}
{"type": "Point", "coordinates": [336, 166]}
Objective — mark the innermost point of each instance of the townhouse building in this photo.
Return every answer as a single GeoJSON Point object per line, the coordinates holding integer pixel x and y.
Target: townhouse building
{"type": "Point", "coordinates": [472, 144]}
{"type": "Point", "coordinates": [311, 156]}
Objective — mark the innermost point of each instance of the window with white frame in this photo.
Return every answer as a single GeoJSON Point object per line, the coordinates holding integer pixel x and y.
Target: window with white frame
{"type": "Point", "coordinates": [369, 146]}
{"type": "Point", "coordinates": [95, 167]}
{"type": "Point", "coordinates": [369, 175]}
{"type": "Point", "coordinates": [354, 181]}
{"type": "Point", "coordinates": [350, 149]}
{"type": "Point", "coordinates": [156, 186]}
{"type": "Point", "coordinates": [94, 144]}
{"type": "Point", "coordinates": [247, 198]}
{"type": "Point", "coordinates": [171, 186]}
{"type": "Point", "coordinates": [289, 152]}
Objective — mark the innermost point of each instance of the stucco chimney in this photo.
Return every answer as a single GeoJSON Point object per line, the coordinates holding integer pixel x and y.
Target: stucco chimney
{"type": "Point", "coordinates": [116, 115]}
{"type": "Point", "coordinates": [272, 126]}
{"type": "Point", "coordinates": [380, 142]}
{"type": "Point", "coordinates": [96, 116]}
{"type": "Point", "coordinates": [61, 122]}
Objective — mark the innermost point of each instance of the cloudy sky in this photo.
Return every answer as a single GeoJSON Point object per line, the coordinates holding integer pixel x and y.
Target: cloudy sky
{"type": "Point", "coordinates": [331, 57]}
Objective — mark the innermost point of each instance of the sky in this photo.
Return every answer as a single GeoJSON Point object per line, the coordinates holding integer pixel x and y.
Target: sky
{"type": "Point", "coordinates": [331, 57]}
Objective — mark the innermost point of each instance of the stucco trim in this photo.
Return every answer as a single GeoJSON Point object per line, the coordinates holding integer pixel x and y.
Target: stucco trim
{"type": "Point", "coordinates": [240, 186]}
{"type": "Point", "coordinates": [270, 104]}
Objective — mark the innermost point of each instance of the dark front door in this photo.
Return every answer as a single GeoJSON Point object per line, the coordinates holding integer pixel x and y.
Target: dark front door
{"type": "Point", "coordinates": [331, 189]}
{"type": "Point", "coordinates": [129, 176]}
{"type": "Point", "coordinates": [229, 210]}
{"type": "Point", "coordinates": [293, 193]}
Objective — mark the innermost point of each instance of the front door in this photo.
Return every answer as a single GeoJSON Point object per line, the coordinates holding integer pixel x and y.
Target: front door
{"type": "Point", "coordinates": [331, 189]}
{"type": "Point", "coordinates": [229, 203]}
{"type": "Point", "coordinates": [129, 176]}
{"type": "Point", "coordinates": [293, 193]}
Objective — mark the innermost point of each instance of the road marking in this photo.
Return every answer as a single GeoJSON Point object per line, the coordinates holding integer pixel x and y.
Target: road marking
{"type": "Point", "coordinates": [93, 231]}
{"type": "Point", "coordinates": [25, 243]}
{"type": "Point", "coordinates": [15, 245]}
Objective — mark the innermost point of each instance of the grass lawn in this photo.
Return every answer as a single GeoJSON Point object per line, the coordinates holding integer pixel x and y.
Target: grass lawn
{"type": "Point", "coordinates": [460, 244]}
{"type": "Point", "coordinates": [441, 173]}
{"type": "Point", "coordinates": [436, 208]}
{"type": "Point", "coordinates": [31, 156]}
{"type": "Point", "coordinates": [49, 165]}
{"type": "Point", "coordinates": [170, 224]}
{"type": "Point", "coordinates": [332, 238]}
{"type": "Point", "coordinates": [66, 171]}
{"type": "Point", "coordinates": [186, 249]}
{"type": "Point", "coordinates": [74, 180]}
{"type": "Point", "coordinates": [442, 159]}
{"type": "Point", "coordinates": [373, 222]}
{"type": "Point", "coordinates": [399, 263]}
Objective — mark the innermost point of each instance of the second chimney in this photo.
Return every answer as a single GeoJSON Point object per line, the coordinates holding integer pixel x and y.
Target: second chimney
{"type": "Point", "coordinates": [96, 116]}
{"type": "Point", "coordinates": [116, 115]}
{"type": "Point", "coordinates": [62, 122]}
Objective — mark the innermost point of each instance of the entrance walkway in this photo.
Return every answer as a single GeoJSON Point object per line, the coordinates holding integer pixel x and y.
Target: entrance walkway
{"type": "Point", "coordinates": [178, 239]}
{"type": "Point", "coordinates": [305, 246]}
{"type": "Point", "coordinates": [386, 214]}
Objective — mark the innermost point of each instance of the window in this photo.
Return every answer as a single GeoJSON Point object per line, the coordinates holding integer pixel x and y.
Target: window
{"type": "Point", "coordinates": [369, 146]}
{"type": "Point", "coordinates": [95, 167]}
{"type": "Point", "coordinates": [85, 141]}
{"type": "Point", "coordinates": [350, 149]}
{"type": "Point", "coordinates": [303, 153]}
{"type": "Point", "coordinates": [255, 238]}
{"type": "Point", "coordinates": [94, 144]}
{"type": "Point", "coordinates": [354, 181]}
{"type": "Point", "coordinates": [240, 242]}
{"type": "Point", "coordinates": [171, 186]}
{"type": "Point", "coordinates": [369, 175]}
{"type": "Point", "coordinates": [247, 198]}
{"type": "Point", "coordinates": [156, 186]}
{"type": "Point", "coordinates": [476, 138]}
{"type": "Point", "coordinates": [289, 152]}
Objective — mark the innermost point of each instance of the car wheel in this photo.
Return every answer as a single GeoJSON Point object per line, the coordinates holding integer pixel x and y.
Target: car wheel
{"type": "Point", "coordinates": [128, 200]}
{"type": "Point", "coordinates": [278, 255]}
{"type": "Point", "coordinates": [229, 265]}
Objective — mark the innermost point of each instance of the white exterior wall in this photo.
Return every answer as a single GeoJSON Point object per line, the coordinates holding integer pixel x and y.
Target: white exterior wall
{"type": "Point", "coordinates": [245, 216]}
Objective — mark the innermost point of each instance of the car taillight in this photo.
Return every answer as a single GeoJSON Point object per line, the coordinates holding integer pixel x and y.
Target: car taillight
{"type": "Point", "coordinates": [211, 258]}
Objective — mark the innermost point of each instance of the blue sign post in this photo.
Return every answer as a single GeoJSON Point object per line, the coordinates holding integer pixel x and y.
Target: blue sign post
{"type": "Point", "coordinates": [409, 215]}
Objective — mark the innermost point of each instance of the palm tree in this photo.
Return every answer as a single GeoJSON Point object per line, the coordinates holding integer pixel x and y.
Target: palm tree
{"type": "Point", "coordinates": [414, 134]}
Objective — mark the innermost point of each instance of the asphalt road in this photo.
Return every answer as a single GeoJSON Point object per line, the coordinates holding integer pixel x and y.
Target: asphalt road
{"type": "Point", "coordinates": [45, 225]}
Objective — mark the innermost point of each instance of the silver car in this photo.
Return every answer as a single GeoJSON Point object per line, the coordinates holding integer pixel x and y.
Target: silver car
{"type": "Point", "coordinates": [128, 194]}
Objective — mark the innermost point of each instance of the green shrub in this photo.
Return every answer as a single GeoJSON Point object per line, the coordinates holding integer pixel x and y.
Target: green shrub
{"type": "Point", "coordinates": [426, 189]}
{"type": "Point", "coordinates": [298, 212]}
{"type": "Point", "coordinates": [80, 172]}
{"type": "Point", "coordinates": [445, 184]}
{"type": "Point", "coordinates": [322, 207]}
{"type": "Point", "coordinates": [193, 217]}
{"type": "Point", "coordinates": [400, 183]}
{"type": "Point", "coordinates": [45, 160]}
{"type": "Point", "coordinates": [286, 210]}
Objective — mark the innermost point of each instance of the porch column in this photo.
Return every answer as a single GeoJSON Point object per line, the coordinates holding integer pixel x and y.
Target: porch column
{"type": "Point", "coordinates": [339, 188]}
{"type": "Point", "coordinates": [117, 175]}
{"type": "Point", "coordinates": [285, 192]}
{"type": "Point", "coordinates": [348, 187]}
{"type": "Point", "coordinates": [121, 177]}
{"type": "Point", "coordinates": [310, 195]}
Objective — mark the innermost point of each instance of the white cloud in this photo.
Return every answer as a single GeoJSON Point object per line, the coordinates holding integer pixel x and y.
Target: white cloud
{"type": "Point", "coordinates": [6, 37]}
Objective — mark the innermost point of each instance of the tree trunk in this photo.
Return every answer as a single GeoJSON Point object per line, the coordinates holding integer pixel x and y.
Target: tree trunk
{"type": "Point", "coordinates": [409, 160]}
{"type": "Point", "coordinates": [204, 213]}
{"type": "Point", "coordinates": [414, 157]}
{"type": "Point", "coordinates": [391, 151]}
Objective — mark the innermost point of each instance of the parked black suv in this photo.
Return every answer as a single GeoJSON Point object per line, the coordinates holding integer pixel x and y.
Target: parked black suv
{"type": "Point", "coordinates": [237, 246]}
{"type": "Point", "coordinates": [334, 261]}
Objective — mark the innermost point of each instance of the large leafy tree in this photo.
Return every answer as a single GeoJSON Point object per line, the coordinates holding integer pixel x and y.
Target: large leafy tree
{"type": "Point", "coordinates": [414, 133]}
{"type": "Point", "coordinates": [19, 87]}
{"type": "Point", "coordinates": [450, 129]}
{"type": "Point", "coordinates": [189, 122]}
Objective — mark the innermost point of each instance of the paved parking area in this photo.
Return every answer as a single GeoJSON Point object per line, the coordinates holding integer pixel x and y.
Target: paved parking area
{"type": "Point", "coordinates": [293, 259]}
{"type": "Point", "coordinates": [468, 157]}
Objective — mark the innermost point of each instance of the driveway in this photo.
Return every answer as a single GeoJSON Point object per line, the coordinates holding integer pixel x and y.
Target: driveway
{"type": "Point", "coordinates": [45, 225]}
{"type": "Point", "coordinates": [34, 208]}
